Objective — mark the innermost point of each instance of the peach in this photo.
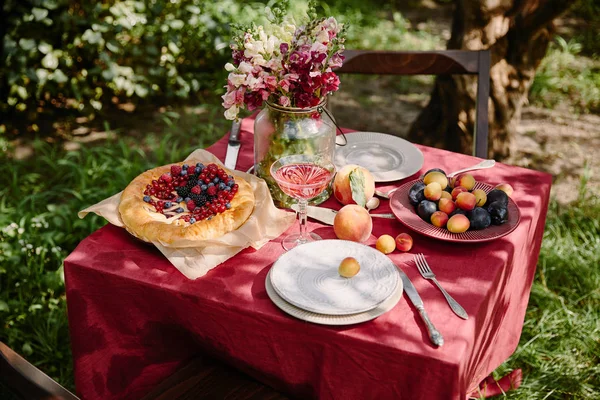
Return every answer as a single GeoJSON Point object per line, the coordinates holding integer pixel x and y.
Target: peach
{"type": "Point", "coordinates": [458, 223]}
{"type": "Point", "coordinates": [433, 191]}
{"type": "Point", "coordinates": [465, 180]}
{"type": "Point", "coordinates": [446, 195]}
{"type": "Point", "coordinates": [342, 189]}
{"type": "Point", "coordinates": [349, 267]}
{"type": "Point", "coordinates": [385, 244]}
{"type": "Point", "coordinates": [404, 242]}
{"type": "Point", "coordinates": [436, 176]}
{"type": "Point", "coordinates": [353, 222]}
{"type": "Point", "coordinates": [439, 219]}
{"type": "Point", "coordinates": [466, 201]}
{"type": "Point", "coordinates": [506, 188]}
{"type": "Point", "coordinates": [480, 197]}
{"type": "Point", "coordinates": [446, 205]}
{"type": "Point", "coordinates": [457, 190]}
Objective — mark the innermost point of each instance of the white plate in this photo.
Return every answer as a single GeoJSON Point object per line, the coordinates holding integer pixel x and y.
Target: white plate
{"type": "Point", "coordinates": [307, 277]}
{"type": "Point", "coordinates": [332, 319]}
{"type": "Point", "coordinates": [387, 157]}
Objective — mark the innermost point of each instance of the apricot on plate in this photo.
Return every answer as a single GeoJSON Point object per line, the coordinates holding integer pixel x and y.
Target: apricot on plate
{"type": "Point", "coordinates": [342, 190]}
{"type": "Point", "coordinates": [404, 242]}
{"type": "Point", "coordinates": [458, 223]}
{"type": "Point", "coordinates": [433, 191]}
{"type": "Point", "coordinates": [349, 267]}
{"type": "Point", "coordinates": [446, 205]}
{"type": "Point", "coordinates": [353, 223]}
{"type": "Point", "coordinates": [465, 180]}
{"type": "Point", "coordinates": [466, 201]}
{"type": "Point", "coordinates": [439, 219]}
{"type": "Point", "coordinates": [436, 176]}
{"type": "Point", "coordinates": [385, 244]}
{"type": "Point", "coordinates": [446, 195]}
{"type": "Point", "coordinates": [457, 190]}
{"type": "Point", "coordinates": [480, 197]}
{"type": "Point", "coordinates": [506, 188]}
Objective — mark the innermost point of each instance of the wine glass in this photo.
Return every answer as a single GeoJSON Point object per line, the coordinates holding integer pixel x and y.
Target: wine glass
{"type": "Point", "coordinates": [302, 177]}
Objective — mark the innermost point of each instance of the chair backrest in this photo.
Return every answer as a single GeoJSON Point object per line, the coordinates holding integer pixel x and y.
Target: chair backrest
{"type": "Point", "coordinates": [446, 62]}
{"type": "Point", "coordinates": [26, 380]}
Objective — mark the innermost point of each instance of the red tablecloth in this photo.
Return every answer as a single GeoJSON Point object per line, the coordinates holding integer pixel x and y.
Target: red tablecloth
{"type": "Point", "coordinates": [134, 319]}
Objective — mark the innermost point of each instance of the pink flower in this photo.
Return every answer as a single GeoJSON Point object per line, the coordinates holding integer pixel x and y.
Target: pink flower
{"type": "Point", "coordinates": [270, 82]}
{"type": "Point", "coordinates": [336, 60]}
{"type": "Point", "coordinates": [284, 84]}
{"type": "Point", "coordinates": [331, 82]}
{"type": "Point", "coordinates": [284, 48]}
{"type": "Point", "coordinates": [284, 101]}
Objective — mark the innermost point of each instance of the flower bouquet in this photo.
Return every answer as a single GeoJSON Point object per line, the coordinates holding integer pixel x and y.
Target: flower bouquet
{"type": "Point", "coordinates": [289, 68]}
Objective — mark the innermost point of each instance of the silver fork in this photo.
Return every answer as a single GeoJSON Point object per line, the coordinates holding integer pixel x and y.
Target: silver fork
{"type": "Point", "coordinates": [427, 273]}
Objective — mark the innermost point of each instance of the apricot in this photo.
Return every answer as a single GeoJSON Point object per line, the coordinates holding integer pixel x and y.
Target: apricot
{"type": "Point", "coordinates": [439, 219]}
{"type": "Point", "coordinates": [457, 190]}
{"type": "Point", "coordinates": [480, 197]}
{"type": "Point", "coordinates": [385, 244]}
{"type": "Point", "coordinates": [404, 242]}
{"type": "Point", "coordinates": [452, 182]}
{"type": "Point", "coordinates": [349, 267]}
{"type": "Point", "coordinates": [458, 223]}
{"type": "Point", "coordinates": [446, 195]}
{"type": "Point", "coordinates": [506, 188]}
{"type": "Point", "coordinates": [353, 222]}
{"type": "Point", "coordinates": [342, 190]}
{"type": "Point", "coordinates": [466, 201]}
{"type": "Point", "coordinates": [433, 191]}
{"type": "Point", "coordinates": [446, 205]}
{"type": "Point", "coordinates": [465, 180]}
{"type": "Point", "coordinates": [436, 176]}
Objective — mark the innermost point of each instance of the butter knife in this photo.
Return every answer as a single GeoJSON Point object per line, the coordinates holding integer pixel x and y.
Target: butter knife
{"type": "Point", "coordinates": [327, 215]}
{"type": "Point", "coordinates": [233, 146]}
{"type": "Point", "coordinates": [413, 295]}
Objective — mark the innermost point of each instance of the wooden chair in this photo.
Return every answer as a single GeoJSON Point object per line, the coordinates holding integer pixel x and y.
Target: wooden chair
{"type": "Point", "coordinates": [447, 62]}
{"type": "Point", "coordinates": [26, 381]}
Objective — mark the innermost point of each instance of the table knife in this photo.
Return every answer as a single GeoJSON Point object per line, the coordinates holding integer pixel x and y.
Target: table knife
{"type": "Point", "coordinates": [326, 215]}
{"type": "Point", "coordinates": [233, 146]}
{"type": "Point", "coordinates": [413, 295]}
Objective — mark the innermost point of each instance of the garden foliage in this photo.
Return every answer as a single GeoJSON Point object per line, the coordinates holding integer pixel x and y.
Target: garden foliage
{"type": "Point", "coordinates": [79, 54]}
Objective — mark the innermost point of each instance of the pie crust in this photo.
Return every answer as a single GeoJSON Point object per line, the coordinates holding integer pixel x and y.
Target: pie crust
{"type": "Point", "coordinates": [144, 222]}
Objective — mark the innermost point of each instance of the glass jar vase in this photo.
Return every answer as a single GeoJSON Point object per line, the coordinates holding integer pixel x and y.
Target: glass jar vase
{"type": "Point", "coordinates": [282, 131]}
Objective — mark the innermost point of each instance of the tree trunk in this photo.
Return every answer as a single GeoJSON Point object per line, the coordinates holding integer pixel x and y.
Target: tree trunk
{"type": "Point", "coordinates": [517, 33]}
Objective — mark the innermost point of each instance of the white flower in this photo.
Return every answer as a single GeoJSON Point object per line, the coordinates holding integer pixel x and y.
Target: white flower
{"type": "Point", "coordinates": [245, 68]}
{"type": "Point", "coordinates": [229, 67]}
{"type": "Point", "coordinates": [231, 113]}
{"type": "Point", "coordinates": [236, 79]}
{"type": "Point", "coordinates": [254, 83]}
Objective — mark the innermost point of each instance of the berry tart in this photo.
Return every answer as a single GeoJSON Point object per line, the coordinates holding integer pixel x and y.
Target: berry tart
{"type": "Point", "coordinates": [192, 201]}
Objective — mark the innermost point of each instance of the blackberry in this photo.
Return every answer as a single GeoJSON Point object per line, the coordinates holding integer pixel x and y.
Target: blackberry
{"type": "Point", "coordinates": [183, 191]}
{"type": "Point", "coordinates": [199, 199]}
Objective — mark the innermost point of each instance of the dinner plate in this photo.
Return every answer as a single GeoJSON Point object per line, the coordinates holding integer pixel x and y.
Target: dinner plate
{"type": "Point", "coordinates": [387, 157]}
{"type": "Point", "coordinates": [405, 213]}
{"type": "Point", "coordinates": [324, 319]}
{"type": "Point", "coordinates": [307, 277]}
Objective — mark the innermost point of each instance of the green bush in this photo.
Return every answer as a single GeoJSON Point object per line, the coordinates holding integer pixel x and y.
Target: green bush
{"type": "Point", "coordinates": [79, 55]}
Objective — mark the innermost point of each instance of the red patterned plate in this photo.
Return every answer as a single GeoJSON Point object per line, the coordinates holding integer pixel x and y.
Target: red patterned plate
{"type": "Point", "coordinates": [405, 213]}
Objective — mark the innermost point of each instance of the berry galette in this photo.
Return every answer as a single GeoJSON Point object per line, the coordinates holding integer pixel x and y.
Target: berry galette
{"type": "Point", "coordinates": [192, 201]}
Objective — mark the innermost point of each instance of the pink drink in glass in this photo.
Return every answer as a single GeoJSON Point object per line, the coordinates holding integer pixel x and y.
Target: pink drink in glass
{"type": "Point", "coordinates": [302, 180]}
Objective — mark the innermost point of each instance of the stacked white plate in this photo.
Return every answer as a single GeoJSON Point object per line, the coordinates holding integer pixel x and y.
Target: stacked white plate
{"type": "Point", "coordinates": [305, 283]}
